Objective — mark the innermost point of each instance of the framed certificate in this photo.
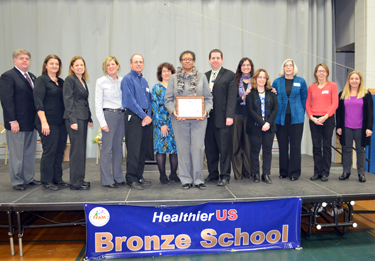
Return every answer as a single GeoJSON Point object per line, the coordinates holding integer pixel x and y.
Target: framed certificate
{"type": "Point", "coordinates": [190, 107]}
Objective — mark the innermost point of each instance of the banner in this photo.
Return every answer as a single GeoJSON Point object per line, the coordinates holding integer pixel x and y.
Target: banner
{"type": "Point", "coordinates": [121, 231]}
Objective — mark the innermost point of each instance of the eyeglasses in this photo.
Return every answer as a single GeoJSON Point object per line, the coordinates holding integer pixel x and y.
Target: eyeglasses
{"type": "Point", "coordinates": [322, 71]}
{"type": "Point", "coordinates": [262, 77]}
{"type": "Point", "coordinates": [187, 60]}
{"type": "Point", "coordinates": [288, 65]}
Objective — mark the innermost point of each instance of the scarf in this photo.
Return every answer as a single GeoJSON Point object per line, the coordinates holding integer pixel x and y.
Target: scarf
{"type": "Point", "coordinates": [241, 89]}
{"type": "Point", "coordinates": [181, 75]}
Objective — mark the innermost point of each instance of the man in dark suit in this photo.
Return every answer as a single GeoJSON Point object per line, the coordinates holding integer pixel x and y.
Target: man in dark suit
{"type": "Point", "coordinates": [218, 140]}
{"type": "Point", "coordinates": [16, 94]}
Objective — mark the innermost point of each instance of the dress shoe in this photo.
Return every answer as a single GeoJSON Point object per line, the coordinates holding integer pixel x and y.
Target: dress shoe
{"type": "Point", "coordinates": [187, 186]}
{"type": "Point", "coordinates": [62, 184]}
{"type": "Point", "coordinates": [344, 176]}
{"type": "Point", "coordinates": [174, 178]}
{"type": "Point", "coordinates": [111, 186]}
{"type": "Point", "coordinates": [51, 186]}
{"type": "Point", "coordinates": [19, 187]}
{"type": "Point", "coordinates": [144, 182]}
{"type": "Point", "coordinates": [134, 185]}
{"type": "Point", "coordinates": [83, 187]}
{"type": "Point", "coordinates": [315, 177]}
{"type": "Point", "coordinates": [362, 177]}
{"type": "Point", "coordinates": [120, 183]}
{"type": "Point", "coordinates": [201, 186]}
{"type": "Point", "coordinates": [211, 179]}
{"type": "Point", "coordinates": [293, 178]}
{"type": "Point", "coordinates": [223, 182]}
{"type": "Point", "coordinates": [256, 178]}
{"type": "Point", "coordinates": [266, 179]}
{"type": "Point", "coordinates": [282, 177]}
{"type": "Point", "coordinates": [324, 178]}
{"type": "Point", "coordinates": [86, 183]}
{"type": "Point", "coordinates": [35, 182]}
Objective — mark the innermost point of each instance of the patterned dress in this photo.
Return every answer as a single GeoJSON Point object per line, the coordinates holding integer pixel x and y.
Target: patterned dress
{"type": "Point", "coordinates": [160, 117]}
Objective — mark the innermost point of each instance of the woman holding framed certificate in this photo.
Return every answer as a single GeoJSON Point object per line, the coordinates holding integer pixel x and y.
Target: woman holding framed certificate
{"type": "Point", "coordinates": [188, 85]}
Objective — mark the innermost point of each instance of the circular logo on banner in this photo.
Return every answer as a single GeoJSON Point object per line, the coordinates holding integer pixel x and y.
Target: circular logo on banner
{"type": "Point", "coordinates": [99, 216]}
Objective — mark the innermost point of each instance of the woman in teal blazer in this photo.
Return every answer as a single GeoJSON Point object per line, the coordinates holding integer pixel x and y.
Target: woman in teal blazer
{"type": "Point", "coordinates": [291, 96]}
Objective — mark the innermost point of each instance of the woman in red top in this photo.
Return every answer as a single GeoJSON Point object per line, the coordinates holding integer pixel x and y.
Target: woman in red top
{"type": "Point", "coordinates": [321, 104]}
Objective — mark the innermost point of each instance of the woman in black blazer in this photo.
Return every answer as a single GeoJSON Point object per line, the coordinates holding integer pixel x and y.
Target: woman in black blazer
{"type": "Point", "coordinates": [261, 104]}
{"type": "Point", "coordinates": [354, 121]}
{"type": "Point", "coordinates": [77, 117]}
{"type": "Point", "coordinates": [49, 122]}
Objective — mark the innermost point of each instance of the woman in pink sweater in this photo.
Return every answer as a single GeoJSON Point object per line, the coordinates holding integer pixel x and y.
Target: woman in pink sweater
{"type": "Point", "coordinates": [321, 104]}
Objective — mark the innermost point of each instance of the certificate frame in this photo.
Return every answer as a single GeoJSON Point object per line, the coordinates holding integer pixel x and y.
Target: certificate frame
{"type": "Point", "coordinates": [190, 107]}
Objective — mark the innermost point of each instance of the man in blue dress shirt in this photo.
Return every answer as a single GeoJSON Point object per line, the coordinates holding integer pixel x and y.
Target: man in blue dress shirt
{"type": "Point", "coordinates": [136, 99]}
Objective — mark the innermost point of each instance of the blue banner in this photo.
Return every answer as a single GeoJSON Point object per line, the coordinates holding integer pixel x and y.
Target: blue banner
{"type": "Point", "coordinates": [118, 231]}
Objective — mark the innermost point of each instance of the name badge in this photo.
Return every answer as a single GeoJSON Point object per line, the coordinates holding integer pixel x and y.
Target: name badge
{"type": "Point", "coordinates": [297, 84]}
{"type": "Point", "coordinates": [325, 92]}
{"type": "Point", "coordinates": [147, 90]}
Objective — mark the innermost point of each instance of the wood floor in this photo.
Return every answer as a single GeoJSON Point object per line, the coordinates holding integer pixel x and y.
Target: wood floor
{"type": "Point", "coordinates": [68, 243]}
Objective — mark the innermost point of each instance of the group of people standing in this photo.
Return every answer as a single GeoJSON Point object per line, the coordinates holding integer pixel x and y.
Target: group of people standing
{"type": "Point", "coordinates": [55, 108]}
{"type": "Point", "coordinates": [242, 113]}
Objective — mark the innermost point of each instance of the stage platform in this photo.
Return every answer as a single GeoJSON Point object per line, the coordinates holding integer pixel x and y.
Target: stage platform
{"type": "Point", "coordinates": [36, 198]}
{"type": "Point", "coordinates": [315, 195]}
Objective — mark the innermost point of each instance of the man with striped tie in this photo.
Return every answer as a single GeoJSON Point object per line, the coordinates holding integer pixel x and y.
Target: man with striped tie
{"type": "Point", "coordinates": [16, 94]}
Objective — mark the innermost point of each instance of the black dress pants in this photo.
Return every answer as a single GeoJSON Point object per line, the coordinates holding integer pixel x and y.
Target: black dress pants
{"type": "Point", "coordinates": [289, 135]}
{"type": "Point", "coordinates": [77, 158]}
{"type": "Point", "coordinates": [321, 136]}
{"type": "Point", "coordinates": [218, 144]}
{"type": "Point", "coordinates": [256, 142]}
{"type": "Point", "coordinates": [136, 139]}
{"type": "Point", "coordinates": [53, 153]}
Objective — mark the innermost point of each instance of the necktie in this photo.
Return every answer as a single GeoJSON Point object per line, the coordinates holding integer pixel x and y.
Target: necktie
{"type": "Point", "coordinates": [28, 79]}
{"type": "Point", "coordinates": [213, 78]}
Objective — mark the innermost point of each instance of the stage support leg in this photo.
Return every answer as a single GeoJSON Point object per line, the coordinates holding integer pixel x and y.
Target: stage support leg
{"type": "Point", "coordinates": [11, 232]}
{"type": "Point", "coordinates": [20, 232]}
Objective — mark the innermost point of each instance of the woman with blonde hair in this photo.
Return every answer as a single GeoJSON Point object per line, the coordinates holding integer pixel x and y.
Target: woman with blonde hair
{"type": "Point", "coordinates": [355, 118]}
{"type": "Point", "coordinates": [262, 106]}
{"type": "Point", "coordinates": [110, 114]}
{"type": "Point", "coordinates": [291, 95]}
{"type": "Point", "coordinates": [321, 104]}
